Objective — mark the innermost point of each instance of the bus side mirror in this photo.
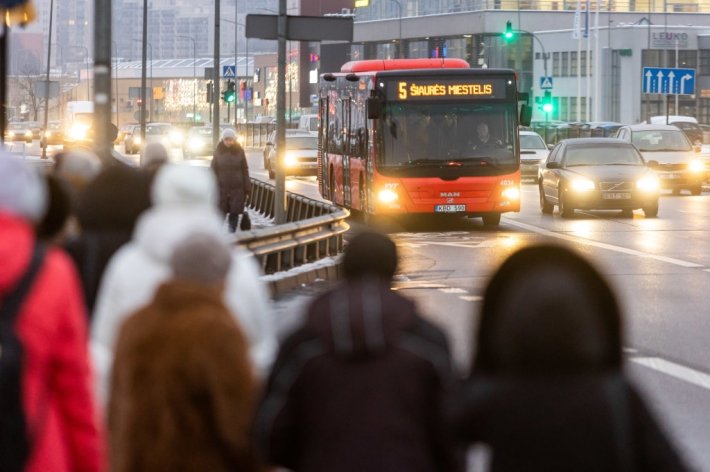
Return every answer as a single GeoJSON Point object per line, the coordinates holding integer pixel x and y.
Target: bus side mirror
{"type": "Point", "coordinates": [525, 115]}
{"type": "Point", "coordinates": [374, 108]}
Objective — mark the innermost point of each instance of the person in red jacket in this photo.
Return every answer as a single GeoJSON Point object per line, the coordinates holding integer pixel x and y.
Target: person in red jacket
{"type": "Point", "coordinates": [56, 379]}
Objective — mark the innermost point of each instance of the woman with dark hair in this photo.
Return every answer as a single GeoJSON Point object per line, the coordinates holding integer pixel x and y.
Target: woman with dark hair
{"type": "Point", "coordinates": [547, 389]}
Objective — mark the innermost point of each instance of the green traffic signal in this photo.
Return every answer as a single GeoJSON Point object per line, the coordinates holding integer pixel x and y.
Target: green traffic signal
{"type": "Point", "coordinates": [547, 106]}
{"type": "Point", "coordinates": [509, 33]}
{"type": "Point", "coordinates": [229, 95]}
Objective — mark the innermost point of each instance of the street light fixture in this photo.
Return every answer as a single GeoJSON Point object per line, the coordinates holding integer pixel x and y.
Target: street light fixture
{"type": "Point", "coordinates": [194, 76]}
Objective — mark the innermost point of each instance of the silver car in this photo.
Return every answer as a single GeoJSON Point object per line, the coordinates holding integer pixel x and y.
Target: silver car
{"type": "Point", "coordinates": [533, 151]}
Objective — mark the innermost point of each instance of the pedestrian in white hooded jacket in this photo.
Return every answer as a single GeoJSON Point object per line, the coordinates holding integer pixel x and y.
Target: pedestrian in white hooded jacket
{"type": "Point", "coordinates": [184, 202]}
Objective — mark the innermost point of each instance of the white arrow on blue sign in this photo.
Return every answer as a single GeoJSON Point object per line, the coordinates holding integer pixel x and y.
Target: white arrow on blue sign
{"type": "Point", "coordinates": [668, 81]}
{"type": "Point", "coordinates": [229, 72]}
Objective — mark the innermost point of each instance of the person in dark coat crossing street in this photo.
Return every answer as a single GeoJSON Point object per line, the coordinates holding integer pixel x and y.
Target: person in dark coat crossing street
{"type": "Point", "coordinates": [361, 385]}
{"type": "Point", "coordinates": [230, 165]}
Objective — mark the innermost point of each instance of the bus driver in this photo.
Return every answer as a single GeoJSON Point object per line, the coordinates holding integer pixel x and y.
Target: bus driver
{"type": "Point", "coordinates": [483, 138]}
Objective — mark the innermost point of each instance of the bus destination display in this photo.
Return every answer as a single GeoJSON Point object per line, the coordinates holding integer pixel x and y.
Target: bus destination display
{"type": "Point", "coordinates": [446, 88]}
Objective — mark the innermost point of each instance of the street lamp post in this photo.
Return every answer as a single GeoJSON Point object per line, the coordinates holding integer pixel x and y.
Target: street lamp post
{"type": "Point", "coordinates": [144, 96]}
{"type": "Point", "coordinates": [194, 76]}
{"type": "Point", "coordinates": [400, 48]}
{"type": "Point", "coordinates": [115, 77]}
{"type": "Point", "coordinates": [236, 70]}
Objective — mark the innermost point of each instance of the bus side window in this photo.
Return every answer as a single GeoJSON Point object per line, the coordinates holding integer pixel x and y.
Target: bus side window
{"type": "Point", "coordinates": [362, 142]}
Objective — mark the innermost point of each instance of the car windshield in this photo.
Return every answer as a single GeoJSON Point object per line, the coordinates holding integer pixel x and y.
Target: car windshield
{"type": "Point", "coordinates": [201, 131]}
{"type": "Point", "coordinates": [598, 155]}
{"type": "Point", "coordinates": [157, 129]}
{"type": "Point", "coordinates": [301, 142]}
{"type": "Point", "coordinates": [531, 141]}
{"type": "Point", "coordinates": [661, 140]}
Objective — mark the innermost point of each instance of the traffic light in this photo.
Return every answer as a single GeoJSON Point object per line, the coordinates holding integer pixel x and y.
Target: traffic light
{"type": "Point", "coordinates": [547, 106]}
{"type": "Point", "coordinates": [508, 34]}
{"type": "Point", "coordinates": [230, 94]}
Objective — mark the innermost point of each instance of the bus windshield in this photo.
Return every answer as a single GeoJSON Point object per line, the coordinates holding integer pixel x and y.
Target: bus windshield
{"type": "Point", "coordinates": [471, 135]}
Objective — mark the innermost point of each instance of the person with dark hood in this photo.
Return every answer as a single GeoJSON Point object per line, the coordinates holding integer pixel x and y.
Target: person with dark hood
{"type": "Point", "coordinates": [53, 226]}
{"type": "Point", "coordinates": [183, 389]}
{"type": "Point", "coordinates": [360, 385]}
{"type": "Point", "coordinates": [230, 166]}
{"type": "Point", "coordinates": [547, 390]}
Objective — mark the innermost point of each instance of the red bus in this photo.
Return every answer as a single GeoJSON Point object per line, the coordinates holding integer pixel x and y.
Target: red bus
{"type": "Point", "coordinates": [420, 136]}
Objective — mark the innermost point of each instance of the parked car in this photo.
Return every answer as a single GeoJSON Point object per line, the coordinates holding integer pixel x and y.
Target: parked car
{"type": "Point", "coordinates": [132, 140]}
{"type": "Point", "coordinates": [668, 151]}
{"type": "Point", "coordinates": [604, 129]}
{"type": "Point", "coordinates": [54, 134]}
{"type": "Point", "coordinates": [124, 131]}
{"type": "Point", "coordinates": [533, 150]}
{"type": "Point", "coordinates": [597, 174]}
{"type": "Point", "coordinates": [19, 131]}
{"type": "Point", "coordinates": [301, 156]}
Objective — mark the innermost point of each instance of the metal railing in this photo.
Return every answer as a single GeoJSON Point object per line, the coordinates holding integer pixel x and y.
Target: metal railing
{"type": "Point", "coordinates": [314, 230]}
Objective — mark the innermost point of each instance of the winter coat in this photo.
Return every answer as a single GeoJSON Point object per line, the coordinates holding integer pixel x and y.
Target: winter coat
{"type": "Point", "coordinates": [56, 377]}
{"type": "Point", "coordinates": [182, 390]}
{"type": "Point", "coordinates": [105, 224]}
{"type": "Point", "coordinates": [139, 267]}
{"type": "Point", "coordinates": [359, 387]}
{"type": "Point", "coordinates": [230, 167]}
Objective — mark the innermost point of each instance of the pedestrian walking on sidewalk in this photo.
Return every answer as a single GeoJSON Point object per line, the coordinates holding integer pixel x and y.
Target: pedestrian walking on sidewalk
{"type": "Point", "coordinates": [360, 386]}
{"type": "Point", "coordinates": [183, 391]}
{"type": "Point", "coordinates": [48, 420]}
{"type": "Point", "coordinates": [230, 166]}
{"type": "Point", "coordinates": [547, 389]}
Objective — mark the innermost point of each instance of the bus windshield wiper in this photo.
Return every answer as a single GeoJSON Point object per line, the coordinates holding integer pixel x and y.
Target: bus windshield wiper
{"type": "Point", "coordinates": [483, 161]}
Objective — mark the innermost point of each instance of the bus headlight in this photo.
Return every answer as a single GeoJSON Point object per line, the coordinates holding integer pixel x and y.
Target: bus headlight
{"type": "Point", "coordinates": [582, 185]}
{"type": "Point", "coordinates": [648, 184]}
{"type": "Point", "coordinates": [387, 195]}
{"type": "Point", "coordinates": [511, 193]}
{"type": "Point", "coordinates": [696, 165]}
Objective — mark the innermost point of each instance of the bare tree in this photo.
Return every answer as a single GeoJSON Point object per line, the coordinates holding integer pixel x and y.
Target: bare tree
{"type": "Point", "coordinates": [26, 81]}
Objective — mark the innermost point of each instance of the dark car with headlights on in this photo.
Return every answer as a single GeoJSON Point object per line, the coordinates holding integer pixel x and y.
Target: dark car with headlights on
{"type": "Point", "coordinates": [198, 142]}
{"type": "Point", "coordinates": [669, 152]}
{"type": "Point", "coordinates": [597, 174]}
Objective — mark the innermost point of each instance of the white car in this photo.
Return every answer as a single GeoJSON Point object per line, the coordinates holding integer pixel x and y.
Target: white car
{"type": "Point", "coordinates": [533, 151]}
{"type": "Point", "coordinates": [301, 157]}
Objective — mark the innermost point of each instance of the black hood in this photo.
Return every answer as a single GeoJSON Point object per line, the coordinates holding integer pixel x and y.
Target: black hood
{"type": "Point", "coordinates": [548, 311]}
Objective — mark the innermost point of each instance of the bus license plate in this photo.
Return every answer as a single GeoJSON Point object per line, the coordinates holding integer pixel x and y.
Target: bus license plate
{"type": "Point", "coordinates": [449, 208]}
{"type": "Point", "coordinates": [617, 195]}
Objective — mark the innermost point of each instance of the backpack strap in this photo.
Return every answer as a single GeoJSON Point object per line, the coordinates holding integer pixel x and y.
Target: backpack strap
{"type": "Point", "coordinates": [12, 301]}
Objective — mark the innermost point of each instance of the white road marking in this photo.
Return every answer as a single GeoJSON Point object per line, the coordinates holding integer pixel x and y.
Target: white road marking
{"type": "Point", "coordinates": [610, 247]}
{"type": "Point", "coordinates": [678, 371]}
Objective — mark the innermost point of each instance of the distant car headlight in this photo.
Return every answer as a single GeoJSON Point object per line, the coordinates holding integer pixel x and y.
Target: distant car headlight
{"type": "Point", "coordinates": [582, 185]}
{"type": "Point", "coordinates": [78, 132]}
{"type": "Point", "coordinates": [11, 134]}
{"type": "Point", "coordinates": [47, 134]}
{"type": "Point", "coordinates": [511, 193]}
{"type": "Point", "coordinates": [387, 196]}
{"type": "Point", "coordinates": [648, 184]}
{"type": "Point", "coordinates": [196, 144]}
{"type": "Point", "coordinates": [136, 139]}
{"type": "Point", "coordinates": [696, 165]}
{"type": "Point", "coordinates": [290, 160]}
{"type": "Point", "coordinates": [241, 139]}
{"type": "Point", "coordinates": [28, 134]}
{"type": "Point", "coordinates": [176, 137]}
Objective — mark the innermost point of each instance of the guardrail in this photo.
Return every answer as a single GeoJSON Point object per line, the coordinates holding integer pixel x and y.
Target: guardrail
{"type": "Point", "coordinates": [314, 230]}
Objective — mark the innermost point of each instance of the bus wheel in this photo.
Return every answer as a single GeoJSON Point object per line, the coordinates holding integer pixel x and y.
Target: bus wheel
{"type": "Point", "coordinates": [491, 219]}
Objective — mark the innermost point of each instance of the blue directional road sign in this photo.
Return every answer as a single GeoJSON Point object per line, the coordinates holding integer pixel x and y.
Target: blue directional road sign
{"type": "Point", "coordinates": [668, 81]}
{"type": "Point", "coordinates": [229, 72]}
{"type": "Point", "coordinates": [546, 83]}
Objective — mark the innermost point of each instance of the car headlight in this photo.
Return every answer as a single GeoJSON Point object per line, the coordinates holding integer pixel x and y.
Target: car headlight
{"type": "Point", "coordinates": [78, 132]}
{"type": "Point", "coordinates": [136, 140]}
{"type": "Point", "coordinates": [47, 134]}
{"type": "Point", "coordinates": [582, 185]}
{"type": "Point", "coordinates": [241, 139]}
{"type": "Point", "coordinates": [696, 165]}
{"type": "Point", "coordinates": [28, 133]}
{"type": "Point", "coordinates": [511, 193]}
{"type": "Point", "coordinates": [290, 160]}
{"type": "Point", "coordinates": [648, 184]}
{"type": "Point", "coordinates": [176, 137]}
{"type": "Point", "coordinates": [196, 144]}
{"type": "Point", "coordinates": [387, 196]}
{"type": "Point", "coordinates": [11, 134]}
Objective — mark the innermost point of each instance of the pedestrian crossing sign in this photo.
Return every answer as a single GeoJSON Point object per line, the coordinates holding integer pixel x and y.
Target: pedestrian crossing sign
{"type": "Point", "coordinates": [229, 72]}
{"type": "Point", "coordinates": [545, 83]}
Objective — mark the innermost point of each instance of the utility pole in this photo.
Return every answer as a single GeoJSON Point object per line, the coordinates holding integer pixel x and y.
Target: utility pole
{"type": "Point", "coordinates": [46, 82]}
{"type": "Point", "coordinates": [103, 141]}
{"type": "Point", "coordinates": [280, 190]}
{"type": "Point", "coordinates": [144, 59]}
{"type": "Point", "coordinates": [215, 77]}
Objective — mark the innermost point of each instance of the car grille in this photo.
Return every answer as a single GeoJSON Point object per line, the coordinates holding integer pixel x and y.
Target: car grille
{"type": "Point", "coordinates": [671, 167]}
{"type": "Point", "coordinates": [616, 186]}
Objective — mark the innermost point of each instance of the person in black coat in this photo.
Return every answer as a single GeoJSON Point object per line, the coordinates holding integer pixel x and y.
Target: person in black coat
{"type": "Point", "coordinates": [230, 166]}
{"type": "Point", "coordinates": [547, 390]}
{"type": "Point", "coordinates": [361, 385]}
